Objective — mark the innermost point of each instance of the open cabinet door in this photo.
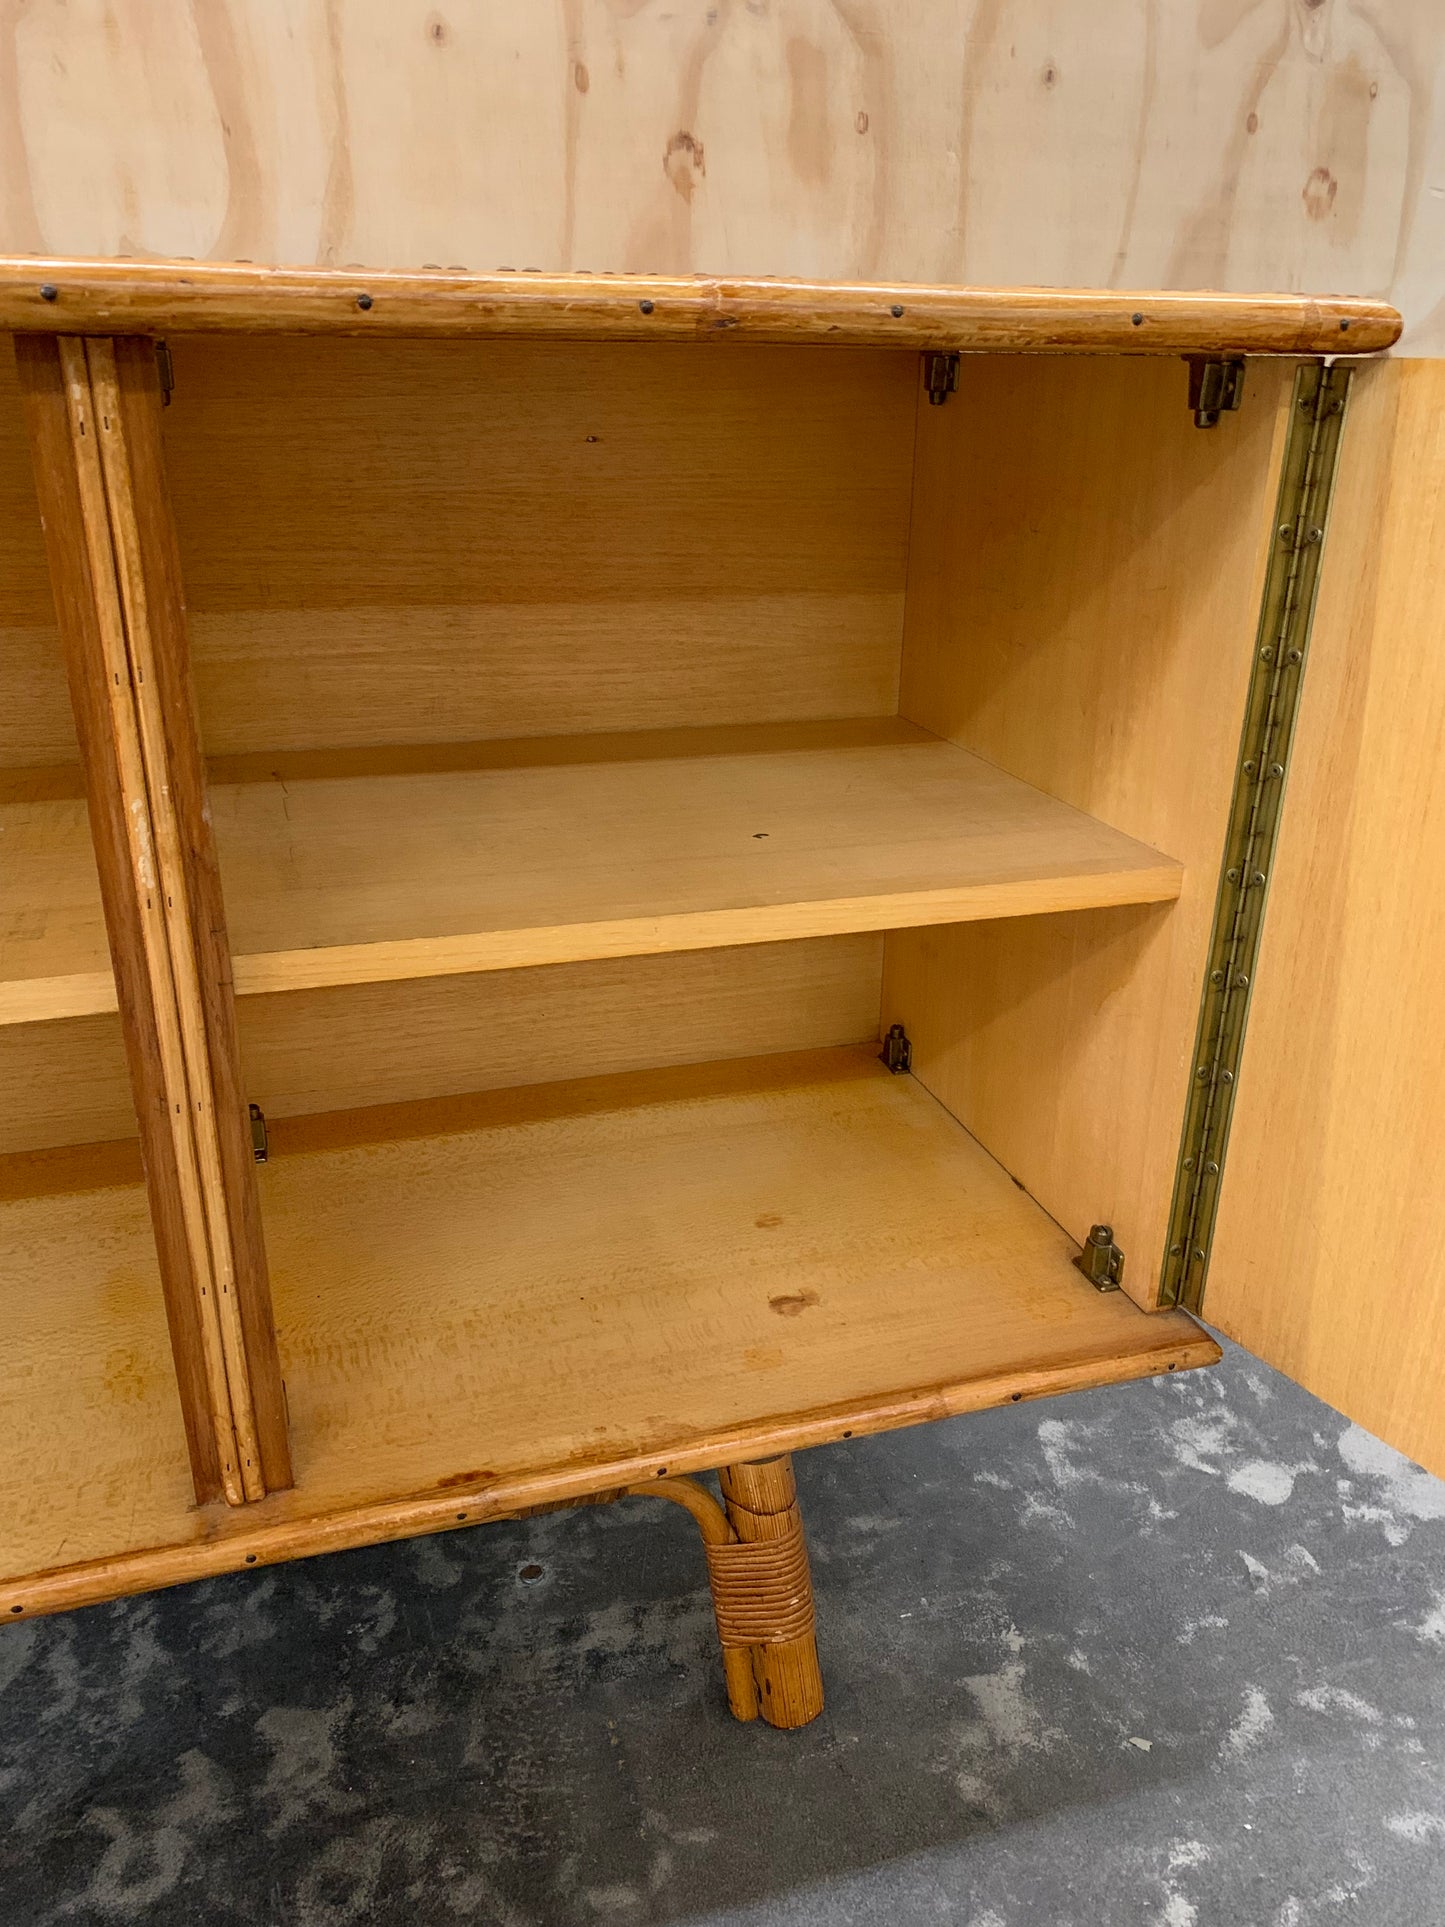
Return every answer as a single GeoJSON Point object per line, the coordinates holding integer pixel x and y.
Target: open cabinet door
{"type": "Point", "coordinates": [1329, 1251]}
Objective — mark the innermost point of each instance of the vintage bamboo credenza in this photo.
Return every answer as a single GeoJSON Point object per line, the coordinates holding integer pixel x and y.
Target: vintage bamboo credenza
{"type": "Point", "coordinates": [743, 811]}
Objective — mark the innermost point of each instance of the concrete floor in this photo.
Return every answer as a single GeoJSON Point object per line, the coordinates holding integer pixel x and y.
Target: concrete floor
{"type": "Point", "coordinates": [1172, 1655]}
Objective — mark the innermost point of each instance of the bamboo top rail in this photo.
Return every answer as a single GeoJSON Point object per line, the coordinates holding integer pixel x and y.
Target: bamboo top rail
{"type": "Point", "coordinates": [97, 297]}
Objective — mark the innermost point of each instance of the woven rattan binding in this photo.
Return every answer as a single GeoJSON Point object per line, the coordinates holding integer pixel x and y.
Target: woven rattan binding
{"type": "Point", "coordinates": [761, 1590]}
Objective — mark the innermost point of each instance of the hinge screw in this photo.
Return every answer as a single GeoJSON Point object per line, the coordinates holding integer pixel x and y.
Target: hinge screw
{"type": "Point", "coordinates": [1267, 654]}
{"type": "Point", "coordinates": [1211, 1169]}
{"type": "Point", "coordinates": [1226, 1077]}
{"type": "Point", "coordinates": [1203, 1073]}
{"type": "Point", "coordinates": [1199, 1253]}
{"type": "Point", "coordinates": [1241, 982]}
{"type": "Point", "coordinates": [1232, 875]}
{"type": "Point", "coordinates": [1258, 878]}
{"type": "Point", "coordinates": [1276, 769]}
{"type": "Point", "coordinates": [1296, 655]}
{"type": "Point", "coordinates": [1176, 1251]}
{"type": "Point", "coordinates": [1216, 977]}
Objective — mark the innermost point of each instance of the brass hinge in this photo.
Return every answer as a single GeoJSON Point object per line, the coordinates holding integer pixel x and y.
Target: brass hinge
{"type": "Point", "coordinates": [1216, 387]}
{"type": "Point", "coordinates": [1301, 517]}
{"type": "Point", "coordinates": [1101, 1260]}
{"type": "Point", "coordinates": [260, 1141]}
{"type": "Point", "coordinates": [940, 377]}
{"type": "Point", "coordinates": [897, 1052]}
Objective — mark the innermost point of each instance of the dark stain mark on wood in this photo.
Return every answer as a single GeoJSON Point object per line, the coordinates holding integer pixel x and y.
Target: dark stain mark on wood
{"type": "Point", "coordinates": [1319, 193]}
{"type": "Point", "coordinates": [684, 163]}
{"type": "Point", "coordinates": [792, 1305]}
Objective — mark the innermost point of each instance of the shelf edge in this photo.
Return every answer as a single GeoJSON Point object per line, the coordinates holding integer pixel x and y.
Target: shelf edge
{"type": "Point", "coordinates": [266, 972]}
{"type": "Point", "coordinates": [254, 1536]}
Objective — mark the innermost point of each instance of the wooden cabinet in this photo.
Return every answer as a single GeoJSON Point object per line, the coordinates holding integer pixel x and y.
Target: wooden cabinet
{"type": "Point", "coordinates": [529, 740]}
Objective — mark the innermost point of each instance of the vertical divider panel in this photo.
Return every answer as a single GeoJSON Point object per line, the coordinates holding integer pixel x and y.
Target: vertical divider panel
{"type": "Point", "coordinates": [1084, 588]}
{"type": "Point", "coordinates": [94, 417]}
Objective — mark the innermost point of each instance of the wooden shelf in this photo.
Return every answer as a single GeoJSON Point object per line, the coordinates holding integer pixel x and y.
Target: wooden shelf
{"type": "Point", "coordinates": [563, 850]}
{"type": "Point", "coordinates": [492, 1302]}
{"type": "Point", "coordinates": [70, 296]}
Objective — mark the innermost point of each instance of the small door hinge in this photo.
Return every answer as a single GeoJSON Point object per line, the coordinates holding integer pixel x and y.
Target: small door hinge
{"type": "Point", "coordinates": [166, 372]}
{"type": "Point", "coordinates": [260, 1142]}
{"type": "Point", "coordinates": [940, 377]}
{"type": "Point", "coordinates": [1101, 1260]}
{"type": "Point", "coordinates": [1215, 387]}
{"type": "Point", "coordinates": [897, 1052]}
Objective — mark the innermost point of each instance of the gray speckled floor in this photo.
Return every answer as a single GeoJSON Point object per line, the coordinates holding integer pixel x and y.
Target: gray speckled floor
{"type": "Point", "coordinates": [1172, 1655]}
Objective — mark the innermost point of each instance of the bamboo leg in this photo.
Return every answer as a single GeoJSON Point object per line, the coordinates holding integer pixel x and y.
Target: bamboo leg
{"type": "Point", "coordinates": [95, 435]}
{"type": "Point", "coordinates": [762, 1599]}
{"type": "Point", "coordinates": [762, 1506]}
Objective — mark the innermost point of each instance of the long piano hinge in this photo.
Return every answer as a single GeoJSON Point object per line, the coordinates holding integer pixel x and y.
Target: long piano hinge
{"type": "Point", "coordinates": [1311, 452]}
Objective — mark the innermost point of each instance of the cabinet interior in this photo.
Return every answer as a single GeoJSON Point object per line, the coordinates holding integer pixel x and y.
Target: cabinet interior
{"type": "Point", "coordinates": [608, 743]}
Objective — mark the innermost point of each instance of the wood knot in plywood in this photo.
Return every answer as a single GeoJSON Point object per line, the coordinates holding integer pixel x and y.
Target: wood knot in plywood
{"type": "Point", "coordinates": [684, 162]}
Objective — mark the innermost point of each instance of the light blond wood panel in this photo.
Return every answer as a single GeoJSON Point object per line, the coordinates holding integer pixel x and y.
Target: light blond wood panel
{"type": "Point", "coordinates": [93, 296]}
{"type": "Point", "coordinates": [1022, 142]}
{"type": "Point", "coordinates": [499, 1301]}
{"type": "Point", "coordinates": [326, 1050]}
{"type": "Point", "coordinates": [555, 852]}
{"type": "Point", "coordinates": [1329, 1256]}
{"type": "Point", "coordinates": [66, 1083]}
{"type": "Point", "coordinates": [1087, 568]}
{"type": "Point", "coordinates": [35, 721]}
{"type": "Point", "coordinates": [403, 542]}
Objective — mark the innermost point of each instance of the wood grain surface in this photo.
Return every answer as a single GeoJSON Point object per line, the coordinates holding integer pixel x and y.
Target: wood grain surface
{"type": "Point", "coordinates": [1083, 595]}
{"type": "Point", "coordinates": [559, 851]}
{"type": "Point", "coordinates": [1328, 1257]}
{"type": "Point", "coordinates": [97, 297]}
{"type": "Point", "coordinates": [695, 1267]}
{"type": "Point", "coordinates": [994, 142]}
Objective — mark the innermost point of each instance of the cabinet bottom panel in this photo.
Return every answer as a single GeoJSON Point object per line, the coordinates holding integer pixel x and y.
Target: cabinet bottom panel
{"type": "Point", "coordinates": [494, 1302]}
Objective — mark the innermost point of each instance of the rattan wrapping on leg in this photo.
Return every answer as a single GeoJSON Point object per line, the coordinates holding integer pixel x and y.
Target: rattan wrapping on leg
{"type": "Point", "coordinates": [762, 1591]}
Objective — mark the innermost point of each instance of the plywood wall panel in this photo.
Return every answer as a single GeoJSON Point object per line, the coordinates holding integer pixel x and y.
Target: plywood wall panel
{"type": "Point", "coordinates": [1236, 143]}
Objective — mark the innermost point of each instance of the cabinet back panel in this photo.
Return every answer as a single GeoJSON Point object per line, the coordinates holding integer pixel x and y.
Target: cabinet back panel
{"type": "Point", "coordinates": [386, 1043]}
{"type": "Point", "coordinates": [445, 541]}
{"type": "Point", "coordinates": [35, 722]}
{"type": "Point", "coordinates": [1083, 595]}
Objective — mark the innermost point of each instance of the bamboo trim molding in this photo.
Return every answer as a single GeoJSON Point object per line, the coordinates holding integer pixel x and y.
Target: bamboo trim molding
{"type": "Point", "coordinates": [93, 408]}
{"type": "Point", "coordinates": [276, 1530]}
{"type": "Point", "coordinates": [74, 296]}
